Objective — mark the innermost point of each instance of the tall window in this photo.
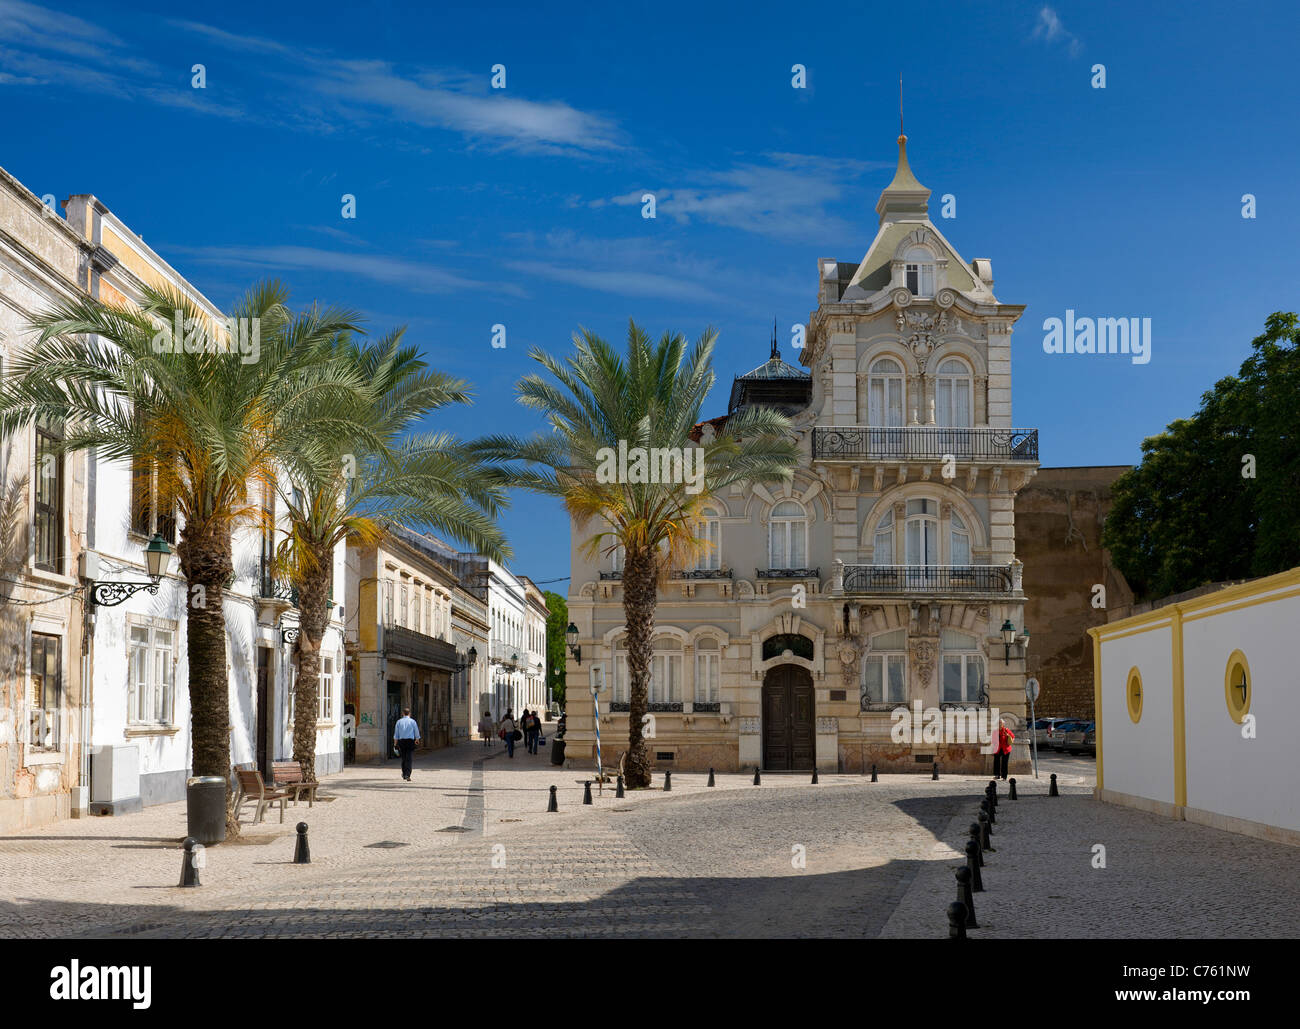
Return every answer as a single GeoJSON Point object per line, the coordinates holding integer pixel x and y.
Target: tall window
{"type": "Point", "coordinates": [884, 670]}
{"type": "Point", "coordinates": [405, 605]}
{"type": "Point", "coordinates": [326, 693]}
{"type": "Point", "coordinates": [788, 536]}
{"type": "Point", "coordinates": [960, 537]}
{"type": "Point", "coordinates": [388, 602]}
{"type": "Point", "coordinates": [151, 661]}
{"type": "Point", "coordinates": [417, 624]}
{"type": "Point", "coordinates": [146, 518]}
{"type": "Point", "coordinates": [708, 670]}
{"type": "Point", "coordinates": [883, 553]}
{"type": "Point", "coordinates": [952, 393]}
{"type": "Point", "coordinates": [709, 529]}
{"type": "Point", "coordinates": [48, 527]}
{"type": "Point", "coordinates": [46, 696]}
{"type": "Point", "coordinates": [666, 672]}
{"type": "Point", "coordinates": [885, 393]}
{"type": "Point", "coordinates": [963, 667]}
{"type": "Point", "coordinates": [922, 532]}
{"type": "Point", "coordinates": [919, 266]}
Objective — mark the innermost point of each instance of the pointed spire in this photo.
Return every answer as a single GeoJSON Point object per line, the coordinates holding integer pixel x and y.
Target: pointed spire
{"type": "Point", "coordinates": [776, 351]}
{"type": "Point", "coordinates": [905, 198]}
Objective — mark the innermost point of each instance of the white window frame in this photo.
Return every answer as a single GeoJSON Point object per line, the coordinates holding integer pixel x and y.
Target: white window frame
{"type": "Point", "coordinates": [786, 529]}
{"type": "Point", "coordinates": [708, 674]}
{"type": "Point", "coordinates": [967, 656]}
{"type": "Point", "coordinates": [709, 529]}
{"type": "Point", "coordinates": [325, 691]}
{"type": "Point", "coordinates": [884, 660]}
{"type": "Point", "coordinates": [883, 539]}
{"type": "Point", "coordinates": [919, 270]}
{"type": "Point", "coordinates": [957, 382]}
{"type": "Point", "coordinates": [160, 662]}
{"type": "Point", "coordinates": [927, 524]}
{"type": "Point", "coordinates": [882, 414]}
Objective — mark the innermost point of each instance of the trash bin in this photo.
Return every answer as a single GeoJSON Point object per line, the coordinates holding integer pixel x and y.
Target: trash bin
{"type": "Point", "coordinates": [205, 808]}
{"type": "Point", "coordinates": [557, 752]}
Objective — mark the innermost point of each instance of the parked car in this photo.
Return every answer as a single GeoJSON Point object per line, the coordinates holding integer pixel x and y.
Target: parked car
{"type": "Point", "coordinates": [1042, 731]}
{"type": "Point", "coordinates": [1083, 737]}
{"type": "Point", "coordinates": [1056, 734]}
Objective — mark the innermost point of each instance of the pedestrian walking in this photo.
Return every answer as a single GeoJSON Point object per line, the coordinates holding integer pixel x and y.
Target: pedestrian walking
{"type": "Point", "coordinates": [1002, 757]}
{"type": "Point", "coordinates": [508, 732]}
{"type": "Point", "coordinates": [406, 735]}
{"type": "Point", "coordinates": [485, 729]}
{"type": "Point", "coordinates": [530, 731]}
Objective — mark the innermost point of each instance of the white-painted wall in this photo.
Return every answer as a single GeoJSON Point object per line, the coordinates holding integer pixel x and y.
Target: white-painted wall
{"type": "Point", "coordinates": [1143, 753]}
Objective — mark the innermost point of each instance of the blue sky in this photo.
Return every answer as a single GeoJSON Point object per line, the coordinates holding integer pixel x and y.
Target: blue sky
{"type": "Point", "coordinates": [478, 206]}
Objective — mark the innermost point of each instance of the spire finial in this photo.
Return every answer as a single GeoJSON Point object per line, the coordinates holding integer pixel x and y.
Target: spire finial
{"type": "Point", "coordinates": [900, 104]}
{"type": "Point", "coordinates": [776, 352]}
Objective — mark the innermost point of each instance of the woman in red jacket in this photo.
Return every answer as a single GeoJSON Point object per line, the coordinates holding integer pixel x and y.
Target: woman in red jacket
{"type": "Point", "coordinates": [1002, 757]}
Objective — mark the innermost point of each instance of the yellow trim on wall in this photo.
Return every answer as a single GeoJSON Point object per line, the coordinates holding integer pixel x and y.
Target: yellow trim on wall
{"type": "Point", "coordinates": [1096, 701]}
{"type": "Point", "coordinates": [1237, 711]}
{"type": "Point", "coordinates": [1180, 711]}
{"type": "Point", "coordinates": [1132, 698]}
{"type": "Point", "coordinates": [1268, 599]}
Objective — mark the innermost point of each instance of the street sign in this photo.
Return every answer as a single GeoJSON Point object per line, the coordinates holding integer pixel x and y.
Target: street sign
{"type": "Point", "coordinates": [1031, 689]}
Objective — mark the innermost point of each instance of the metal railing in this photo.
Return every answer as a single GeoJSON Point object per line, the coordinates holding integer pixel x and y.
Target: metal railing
{"type": "Point", "coordinates": [788, 573]}
{"type": "Point", "coordinates": [927, 579]}
{"type": "Point", "coordinates": [872, 443]}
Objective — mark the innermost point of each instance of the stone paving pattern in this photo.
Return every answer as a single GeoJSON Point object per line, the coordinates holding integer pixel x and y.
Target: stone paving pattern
{"type": "Point", "coordinates": [482, 857]}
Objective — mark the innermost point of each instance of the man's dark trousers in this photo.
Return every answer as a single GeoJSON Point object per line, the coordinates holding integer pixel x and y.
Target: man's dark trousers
{"type": "Point", "coordinates": [407, 747]}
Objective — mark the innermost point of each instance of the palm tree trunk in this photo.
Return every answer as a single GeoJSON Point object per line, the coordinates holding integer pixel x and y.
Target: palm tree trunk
{"type": "Point", "coordinates": [640, 596]}
{"type": "Point", "coordinates": [313, 607]}
{"type": "Point", "coordinates": [205, 558]}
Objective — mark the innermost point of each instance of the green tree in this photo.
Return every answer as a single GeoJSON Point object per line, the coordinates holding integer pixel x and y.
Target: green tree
{"type": "Point", "coordinates": [649, 397]}
{"type": "Point", "coordinates": [557, 622]}
{"type": "Point", "coordinates": [1214, 496]}
{"type": "Point", "coordinates": [217, 428]}
{"type": "Point", "coordinates": [379, 477]}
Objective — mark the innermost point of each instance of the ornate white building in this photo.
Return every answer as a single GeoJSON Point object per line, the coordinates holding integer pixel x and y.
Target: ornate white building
{"type": "Point", "coordinates": [882, 576]}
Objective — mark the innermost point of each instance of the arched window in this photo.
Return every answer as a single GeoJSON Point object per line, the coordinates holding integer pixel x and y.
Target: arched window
{"type": "Point", "coordinates": [884, 670]}
{"type": "Point", "coordinates": [922, 532]}
{"type": "Point", "coordinates": [709, 530]}
{"type": "Point", "coordinates": [959, 537]}
{"type": "Point", "coordinates": [665, 671]}
{"type": "Point", "coordinates": [788, 536]}
{"type": "Point", "coordinates": [885, 394]}
{"type": "Point", "coordinates": [708, 670]}
{"type": "Point", "coordinates": [952, 395]}
{"type": "Point", "coordinates": [963, 668]}
{"type": "Point", "coordinates": [883, 554]}
{"type": "Point", "coordinates": [795, 642]}
{"type": "Point", "coordinates": [919, 267]}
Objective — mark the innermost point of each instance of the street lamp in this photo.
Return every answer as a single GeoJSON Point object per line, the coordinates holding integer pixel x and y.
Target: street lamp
{"type": "Point", "coordinates": [156, 555]}
{"type": "Point", "coordinates": [470, 658]}
{"type": "Point", "coordinates": [571, 637]}
{"type": "Point", "coordinates": [1008, 637]}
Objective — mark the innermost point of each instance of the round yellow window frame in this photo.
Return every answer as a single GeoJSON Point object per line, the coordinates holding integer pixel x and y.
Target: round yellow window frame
{"type": "Point", "coordinates": [1133, 694]}
{"type": "Point", "coordinates": [1238, 706]}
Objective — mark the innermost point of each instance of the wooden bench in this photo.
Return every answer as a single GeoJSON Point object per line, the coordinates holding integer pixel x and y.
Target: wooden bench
{"type": "Point", "coordinates": [288, 776]}
{"type": "Point", "coordinates": [251, 787]}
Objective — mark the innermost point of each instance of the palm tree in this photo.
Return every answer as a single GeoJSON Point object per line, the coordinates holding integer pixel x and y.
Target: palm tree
{"type": "Point", "coordinates": [379, 479]}
{"type": "Point", "coordinates": [216, 426]}
{"type": "Point", "coordinates": [649, 398]}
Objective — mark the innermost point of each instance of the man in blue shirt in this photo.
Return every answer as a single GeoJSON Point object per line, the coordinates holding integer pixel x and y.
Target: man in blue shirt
{"type": "Point", "coordinates": [406, 735]}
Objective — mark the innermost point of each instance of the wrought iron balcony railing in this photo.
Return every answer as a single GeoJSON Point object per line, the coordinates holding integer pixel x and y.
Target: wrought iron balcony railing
{"type": "Point", "coordinates": [703, 573]}
{"type": "Point", "coordinates": [915, 442]}
{"type": "Point", "coordinates": [927, 579]}
{"type": "Point", "coordinates": [278, 589]}
{"type": "Point", "coordinates": [401, 642]}
{"type": "Point", "coordinates": [788, 573]}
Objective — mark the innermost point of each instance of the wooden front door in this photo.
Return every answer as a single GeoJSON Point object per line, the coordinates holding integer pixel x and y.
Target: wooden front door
{"type": "Point", "coordinates": [788, 740]}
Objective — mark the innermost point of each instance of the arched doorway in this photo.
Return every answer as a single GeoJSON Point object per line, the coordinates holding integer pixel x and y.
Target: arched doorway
{"type": "Point", "coordinates": [788, 740]}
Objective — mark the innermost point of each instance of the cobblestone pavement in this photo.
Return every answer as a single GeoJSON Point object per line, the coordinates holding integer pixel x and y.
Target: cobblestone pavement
{"type": "Point", "coordinates": [478, 855]}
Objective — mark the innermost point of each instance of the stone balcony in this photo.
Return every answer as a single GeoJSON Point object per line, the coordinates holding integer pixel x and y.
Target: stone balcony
{"type": "Point", "coordinates": [956, 581]}
{"type": "Point", "coordinates": [867, 444]}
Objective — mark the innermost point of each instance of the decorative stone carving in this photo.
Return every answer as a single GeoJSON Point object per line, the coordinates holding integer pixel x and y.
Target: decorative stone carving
{"type": "Point", "coordinates": [750, 726]}
{"type": "Point", "coordinates": [744, 588]}
{"type": "Point", "coordinates": [945, 298]}
{"type": "Point", "coordinates": [827, 726]}
{"type": "Point", "coordinates": [920, 331]}
{"type": "Point", "coordinates": [1017, 575]}
{"type": "Point", "coordinates": [901, 297]}
{"type": "Point", "coordinates": [848, 655]}
{"type": "Point", "coordinates": [923, 652]}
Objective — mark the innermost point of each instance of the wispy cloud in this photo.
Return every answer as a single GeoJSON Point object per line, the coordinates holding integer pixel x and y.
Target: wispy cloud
{"type": "Point", "coordinates": [416, 276]}
{"type": "Point", "coordinates": [791, 196]}
{"type": "Point", "coordinates": [1050, 29]}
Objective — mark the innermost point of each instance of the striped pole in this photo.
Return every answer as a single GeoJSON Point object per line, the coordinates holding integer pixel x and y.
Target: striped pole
{"type": "Point", "coordinates": [600, 775]}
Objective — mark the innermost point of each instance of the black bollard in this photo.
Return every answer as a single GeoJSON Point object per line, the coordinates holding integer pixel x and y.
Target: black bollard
{"type": "Point", "coordinates": [1052, 791]}
{"type": "Point", "coordinates": [934, 775]}
{"type": "Point", "coordinates": [1013, 790]}
{"type": "Point", "coordinates": [985, 841]}
{"type": "Point", "coordinates": [874, 777]}
{"type": "Point", "coordinates": [758, 779]}
{"type": "Point", "coordinates": [586, 793]}
{"type": "Point", "coordinates": [966, 897]}
{"type": "Point", "coordinates": [992, 791]}
{"type": "Point", "coordinates": [668, 782]}
{"type": "Point", "coordinates": [976, 837]}
{"type": "Point", "coordinates": [301, 852]}
{"type": "Point", "coordinates": [987, 808]}
{"type": "Point", "coordinates": [956, 920]}
{"type": "Point", "coordinates": [814, 778]}
{"type": "Point", "coordinates": [618, 793]}
{"type": "Point", "coordinates": [710, 782]}
{"type": "Point", "coordinates": [189, 867]}
{"type": "Point", "coordinates": [973, 863]}
{"type": "Point", "coordinates": [553, 805]}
